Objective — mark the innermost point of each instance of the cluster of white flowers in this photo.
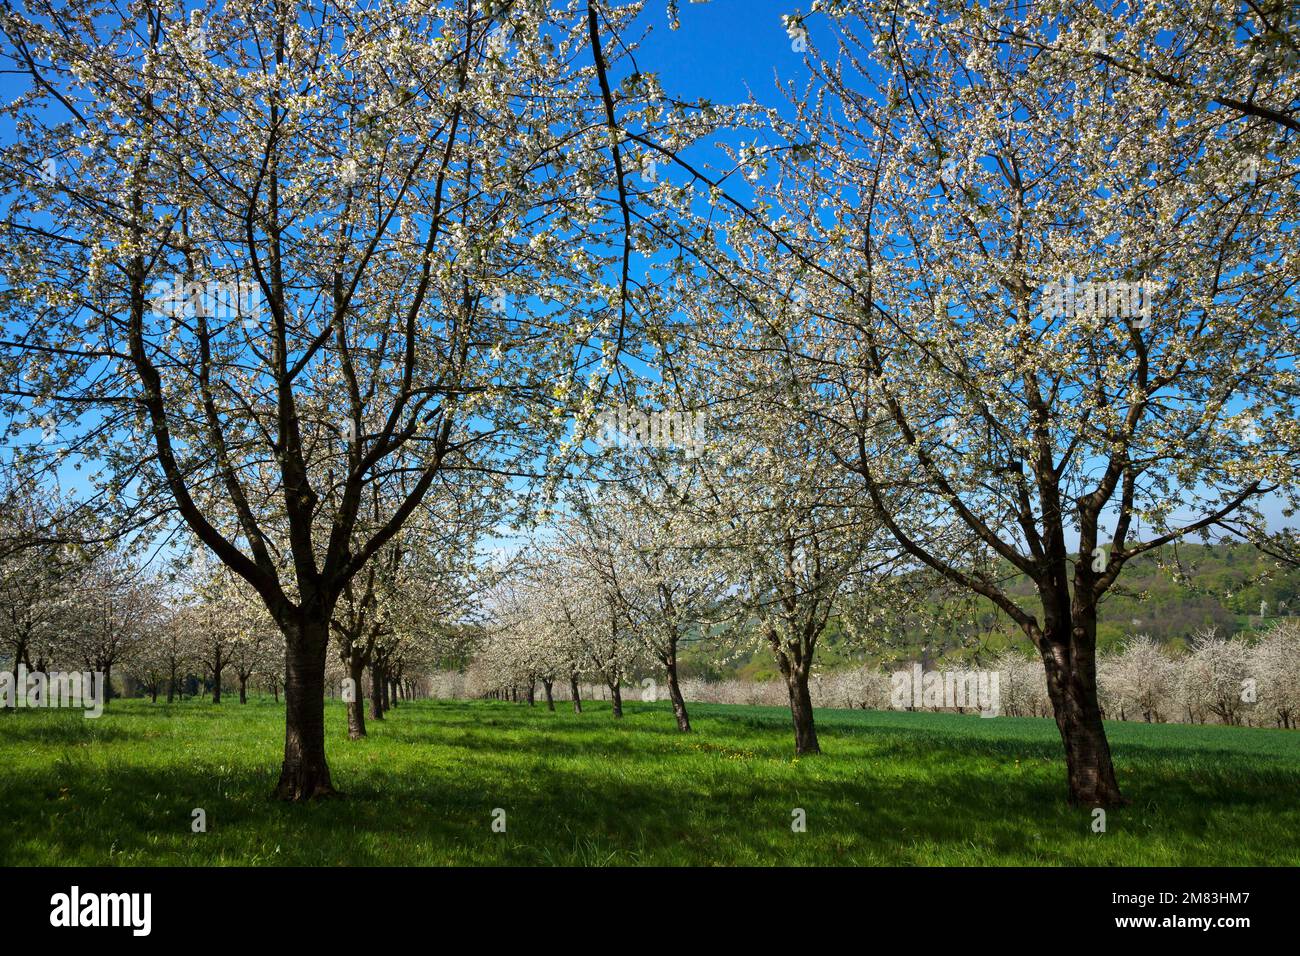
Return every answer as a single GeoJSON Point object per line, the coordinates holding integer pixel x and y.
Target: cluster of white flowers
{"type": "Point", "coordinates": [1218, 681]}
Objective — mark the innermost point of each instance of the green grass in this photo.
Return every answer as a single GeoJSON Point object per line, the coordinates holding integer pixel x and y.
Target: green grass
{"type": "Point", "coordinates": [891, 788]}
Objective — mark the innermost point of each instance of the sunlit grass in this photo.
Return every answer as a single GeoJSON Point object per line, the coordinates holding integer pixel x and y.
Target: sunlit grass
{"type": "Point", "coordinates": [891, 788]}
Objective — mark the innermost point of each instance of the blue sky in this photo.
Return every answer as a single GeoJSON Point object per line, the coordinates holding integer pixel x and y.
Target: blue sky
{"type": "Point", "coordinates": [722, 46]}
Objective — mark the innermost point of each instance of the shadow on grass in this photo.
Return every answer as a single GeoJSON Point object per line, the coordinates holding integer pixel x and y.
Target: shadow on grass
{"type": "Point", "coordinates": [62, 728]}
{"type": "Point", "coordinates": [391, 818]}
{"type": "Point", "coordinates": [423, 790]}
{"type": "Point", "coordinates": [1034, 737]}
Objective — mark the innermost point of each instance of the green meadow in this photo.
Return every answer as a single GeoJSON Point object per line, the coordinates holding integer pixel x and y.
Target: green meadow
{"type": "Point", "coordinates": [428, 783]}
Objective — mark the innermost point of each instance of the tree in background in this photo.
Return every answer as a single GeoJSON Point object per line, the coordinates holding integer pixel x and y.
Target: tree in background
{"type": "Point", "coordinates": [37, 575]}
{"type": "Point", "coordinates": [793, 529]}
{"type": "Point", "coordinates": [530, 631]}
{"type": "Point", "coordinates": [257, 646]}
{"type": "Point", "coordinates": [1275, 662]}
{"type": "Point", "coordinates": [165, 655]}
{"type": "Point", "coordinates": [1214, 678]}
{"type": "Point", "coordinates": [656, 560]}
{"type": "Point", "coordinates": [114, 606]}
{"type": "Point", "coordinates": [1140, 679]}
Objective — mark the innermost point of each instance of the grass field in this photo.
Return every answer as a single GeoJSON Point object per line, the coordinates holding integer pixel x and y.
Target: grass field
{"type": "Point", "coordinates": [891, 788]}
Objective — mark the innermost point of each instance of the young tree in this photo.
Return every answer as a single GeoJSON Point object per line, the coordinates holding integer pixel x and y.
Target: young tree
{"type": "Point", "coordinates": [1215, 676]}
{"type": "Point", "coordinates": [220, 618]}
{"type": "Point", "coordinates": [1143, 677]}
{"type": "Point", "coordinates": [514, 649]}
{"type": "Point", "coordinates": [257, 644]}
{"type": "Point", "coordinates": [1275, 663]}
{"type": "Point", "coordinates": [36, 575]}
{"type": "Point", "coordinates": [163, 658]}
{"type": "Point", "coordinates": [1022, 685]}
{"type": "Point", "coordinates": [587, 633]}
{"type": "Point", "coordinates": [534, 611]}
{"type": "Point", "coordinates": [789, 523]}
{"type": "Point", "coordinates": [659, 564]}
{"type": "Point", "coordinates": [114, 606]}
{"type": "Point", "coordinates": [360, 621]}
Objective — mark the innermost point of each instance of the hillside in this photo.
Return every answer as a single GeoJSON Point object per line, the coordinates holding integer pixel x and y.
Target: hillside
{"type": "Point", "coordinates": [1169, 594]}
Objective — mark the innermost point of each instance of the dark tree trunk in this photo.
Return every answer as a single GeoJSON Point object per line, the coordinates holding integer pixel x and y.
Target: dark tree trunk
{"type": "Point", "coordinates": [616, 695]}
{"type": "Point", "coordinates": [357, 706]}
{"type": "Point", "coordinates": [550, 701]}
{"type": "Point", "coordinates": [108, 682]}
{"type": "Point", "coordinates": [305, 774]}
{"type": "Point", "coordinates": [153, 693]}
{"type": "Point", "coordinates": [243, 689]}
{"type": "Point", "coordinates": [675, 694]}
{"type": "Point", "coordinates": [21, 656]}
{"type": "Point", "coordinates": [574, 695]}
{"type": "Point", "coordinates": [801, 710]}
{"type": "Point", "coordinates": [532, 693]}
{"type": "Point", "coordinates": [216, 682]}
{"type": "Point", "coordinates": [376, 692]}
{"type": "Point", "coordinates": [386, 704]}
{"type": "Point", "coordinates": [1072, 687]}
{"type": "Point", "coordinates": [171, 686]}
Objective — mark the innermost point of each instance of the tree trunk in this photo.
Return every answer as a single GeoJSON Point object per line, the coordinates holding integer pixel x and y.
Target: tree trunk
{"type": "Point", "coordinates": [243, 689]}
{"type": "Point", "coordinates": [675, 694]}
{"type": "Point", "coordinates": [550, 701]}
{"type": "Point", "coordinates": [376, 692]}
{"type": "Point", "coordinates": [532, 693]}
{"type": "Point", "coordinates": [216, 682]}
{"type": "Point", "coordinates": [801, 710]}
{"type": "Point", "coordinates": [153, 694]}
{"type": "Point", "coordinates": [386, 704]}
{"type": "Point", "coordinates": [357, 706]}
{"type": "Point", "coordinates": [1071, 669]}
{"type": "Point", "coordinates": [171, 686]}
{"type": "Point", "coordinates": [574, 695]}
{"type": "Point", "coordinates": [305, 774]}
{"type": "Point", "coordinates": [616, 695]}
